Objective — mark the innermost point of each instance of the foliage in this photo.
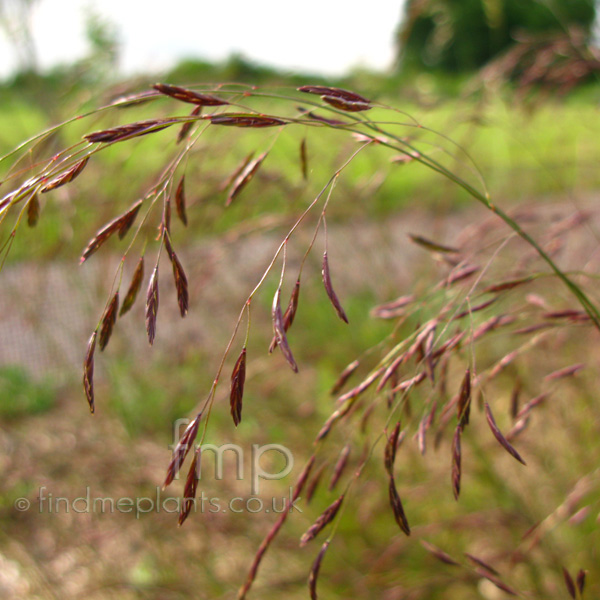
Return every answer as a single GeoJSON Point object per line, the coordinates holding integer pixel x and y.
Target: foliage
{"type": "Point", "coordinates": [15, 20]}
{"type": "Point", "coordinates": [19, 395]}
{"type": "Point", "coordinates": [463, 36]}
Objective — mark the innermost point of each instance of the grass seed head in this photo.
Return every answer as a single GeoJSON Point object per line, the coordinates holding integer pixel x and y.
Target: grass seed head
{"type": "Point", "coordinates": [185, 95]}
{"type": "Point", "coordinates": [303, 159]}
{"type": "Point", "coordinates": [33, 210]}
{"type": "Point", "coordinates": [347, 105]}
{"type": "Point", "coordinates": [314, 571]}
{"type": "Point", "coordinates": [184, 445]}
{"type": "Point", "coordinates": [65, 177]}
{"type": "Point", "coordinates": [313, 484]}
{"type": "Point", "coordinates": [244, 176]}
{"type": "Point", "coordinates": [187, 126]}
{"type": "Point", "coordinates": [329, 289]}
{"type": "Point", "coordinates": [189, 492]}
{"type": "Point", "coordinates": [397, 507]}
{"type": "Point", "coordinates": [343, 378]}
{"type": "Point", "coordinates": [180, 201]}
{"type": "Point", "coordinates": [108, 321]}
{"type": "Point", "coordinates": [289, 314]}
{"type": "Point", "coordinates": [181, 284]}
{"type": "Point", "coordinates": [569, 583]}
{"type": "Point", "coordinates": [245, 120]}
{"type": "Point", "coordinates": [279, 331]}
{"type": "Point", "coordinates": [120, 224]}
{"type": "Point", "coordinates": [340, 466]}
{"type": "Point", "coordinates": [88, 371]}
{"type": "Point", "coordinates": [322, 521]}
{"type": "Point", "coordinates": [333, 92]}
{"type": "Point", "coordinates": [456, 462]}
{"type": "Point", "coordinates": [238, 377]}
{"type": "Point", "coordinates": [391, 447]}
{"type": "Point", "coordinates": [134, 287]}
{"type": "Point", "coordinates": [439, 554]}
{"type": "Point", "coordinates": [498, 435]}
{"type": "Point", "coordinates": [126, 132]}
{"type": "Point", "coordinates": [581, 581]}
{"type": "Point", "coordinates": [152, 305]}
{"type": "Point", "coordinates": [463, 406]}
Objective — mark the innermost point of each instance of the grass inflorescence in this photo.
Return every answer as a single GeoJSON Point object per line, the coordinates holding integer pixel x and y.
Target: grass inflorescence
{"type": "Point", "coordinates": [448, 347]}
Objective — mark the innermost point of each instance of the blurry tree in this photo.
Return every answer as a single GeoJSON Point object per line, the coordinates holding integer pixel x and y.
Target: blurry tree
{"type": "Point", "coordinates": [101, 62]}
{"type": "Point", "coordinates": [15, 21]}
{"type": "Point", "coordinates": [462, 35]}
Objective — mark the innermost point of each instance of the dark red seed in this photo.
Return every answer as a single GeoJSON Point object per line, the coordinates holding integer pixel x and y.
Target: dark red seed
{"type": "Point", "coordinates": [108, 321]}
{"type": "Point", "coordinates": [134, 287]}
{"type": "Point", "coordinates": [88, 371]}
{"type": "Point", "coordinates": [238, 377]}
{"type": "Point", "coordinates": [65, 177]}
{"type": "Point", "coordinates": [190, 96]}
{"type": "Point", "coordinates": [180, 200]}
{"type": "Point", "coordinates": [498, 435]}
{"type": "Point", "coordinates": [152, 305]}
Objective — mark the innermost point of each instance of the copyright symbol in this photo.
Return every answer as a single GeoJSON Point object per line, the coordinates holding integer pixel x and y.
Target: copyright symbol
{"type": "Point", "coordinates": [22, 504]}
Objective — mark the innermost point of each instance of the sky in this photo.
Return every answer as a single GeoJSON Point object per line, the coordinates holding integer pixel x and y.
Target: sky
{"type": "Point", "coordinates": [320, 36]}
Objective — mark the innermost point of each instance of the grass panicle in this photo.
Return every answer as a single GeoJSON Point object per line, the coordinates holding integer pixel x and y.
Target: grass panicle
{"type": "Point", "coordinates": [481, 309]}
